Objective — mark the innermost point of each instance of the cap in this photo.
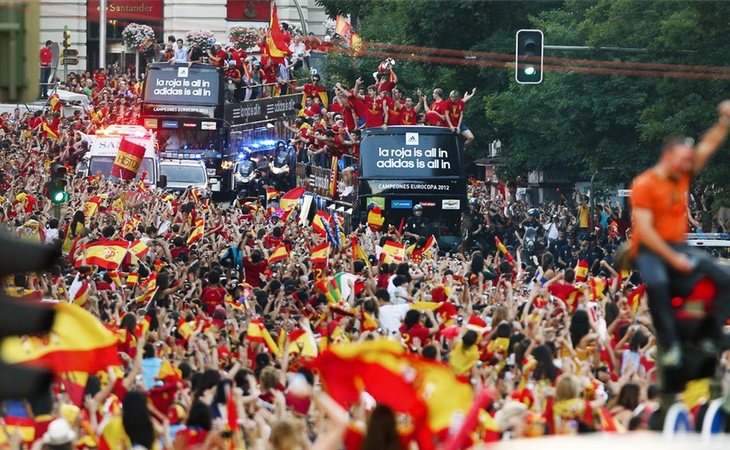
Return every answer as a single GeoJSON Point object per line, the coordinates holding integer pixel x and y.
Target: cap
{"type": "Point", "coordinates": [59, 433]}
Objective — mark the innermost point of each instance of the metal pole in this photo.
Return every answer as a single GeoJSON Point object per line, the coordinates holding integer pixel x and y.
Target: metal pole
{"type": "Point", "coordinates": [593, 201]}
{"type": "Point", "coordinates": [102, 34]}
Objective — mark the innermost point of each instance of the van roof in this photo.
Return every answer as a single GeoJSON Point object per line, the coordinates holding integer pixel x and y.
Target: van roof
{"type": "Point", "coordinates": [109, 146]}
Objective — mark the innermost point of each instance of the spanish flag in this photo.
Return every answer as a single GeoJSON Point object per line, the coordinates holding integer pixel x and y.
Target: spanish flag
{"type": "Point", "coordinates": [581, 270]}
{"type": "Point", "coordinates": [55, 103]}
{"type": "Point", "coordinates": [92, 205]}
{"type": "Point", "coordinates": [635, 297]}
{"type": "Point", "coordinates": [418, 254]}
{"type": "Point", "coordinates": [320, 255]}
{"type": "Point", "coordinates": [81, 296]}
{"type": "Point", "coordinates": [271, 193]}
{"type": "Point", "coordinates": [289, 200]}
{"type": "Point", "coordinates": [132, 279]}
{"type": "Point", "coordinates": [113, 436]}
{"type": "Point", "coordinates": [280, 253]}
{"type": "Point", "coordinates": [148, 288]}
{"type": "Point", "coordinates": [197, 232]}
{"type": "Point", "coordinates": [368, 322]}
{"type": "Point", "coordinates": [24, 426]}
{"type": "Point", "coordinates": [393, 252]}
{"type": "Point", "coordinates": [302, 343]}
{"type": "Point", "coordinates": [375, 218]}
{"type": "Point", "coordinates": [320, 222]}
{"type": "Point", "coordinates": [342, 27]}
{"type": "Point", "coordinates": [50, 133]}
{"type": "Point", "coordinates": [105, 254]}
{"type": "Point", "coordinates": [277, 47]}
{"type": "Point", "coordinates": [116, 278]}
{"type": "Point", "coordinates": [195, 193]}
{"type": "Point", "coordinates": [357, 251]}
{"type": "Point", "coordinates": [168, 372]}
{"type": "Point", "coordinates": [503, 250]}
{"type": "Point", "coordinates": [355, 42]}
{"type": "Point", "coordinates": [139, 249]}
{"type": "Point", "coordinates": [257, 332]}
{"type": "Point", "coordinates": [76, 342]}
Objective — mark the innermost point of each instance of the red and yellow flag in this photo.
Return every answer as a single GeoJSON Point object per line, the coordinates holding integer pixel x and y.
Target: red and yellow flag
{"type": "Point", "coordinates": [198, 231]}
{"type": "Point", "coordinates": [148, 289]}
{"type": "Point", "coordinates": [257, 332]}
{"type": "Point", "coordinates": [320, 255]}
{"type": "Point", "coordinates": [280, 253]}
{"type": "Point", "coordinates": [271, 193]}
{"type": "Point", "coordinates": [76, 342]}
{"type": "Point", "coordinates": [357, 251]}
{"type": "Point", "coordinates": [132, 279]}
{"type": "Point", "coordinates": [82, 294]}
{"type": "Point", "coordinates": [105, 254]}
{"type": "Point", "coordinates": [393, 252]}
{"type": "Point", "coordinates": [275, 42]}
{"type": "Point", "coordinates": [55, 103]}
{"type": "Point", "coordinates": [92, 205]}
{"type": "Point", "coordinates": [503, 250]}
{"type": "Point", "coordinates": [139, 249]}
{"type": "Point", "coordinates": [581, 270]}
{"type": "Point", "coordinates": [355, 42]}
{"type": "Point", "coordinates": [289, 200]}
{"type": "Point", "coordinates": [128, 160]}
{"type": "Point", "coordinates": [50, 132]}
{"type": "Point", "coordinates": [375, 218]}
{"type": "Point", "coordinates": [320, 222]}
{"type": "Point", "coordinates": [342, 27]}
{"type": "Point", "coordinates": [24, 426]}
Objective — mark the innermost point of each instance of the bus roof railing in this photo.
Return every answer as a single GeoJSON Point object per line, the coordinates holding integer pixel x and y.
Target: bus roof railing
{"type": "Point", "coordinates": [708, 236]}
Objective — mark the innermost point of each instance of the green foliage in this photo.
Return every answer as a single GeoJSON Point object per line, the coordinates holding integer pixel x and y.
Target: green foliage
{"type": "Point", "coordinates": [573, 121]}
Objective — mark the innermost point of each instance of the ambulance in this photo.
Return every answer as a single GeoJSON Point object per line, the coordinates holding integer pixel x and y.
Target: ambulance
{"type": "Point", "coordinates": [103, 148]}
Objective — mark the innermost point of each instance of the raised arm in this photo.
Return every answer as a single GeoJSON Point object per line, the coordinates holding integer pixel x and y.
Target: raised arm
{"type": "Point", "coordinates": [713, 138]}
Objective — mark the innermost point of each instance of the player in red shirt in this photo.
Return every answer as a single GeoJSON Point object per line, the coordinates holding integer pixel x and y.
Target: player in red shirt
{"type": "Point", "coordinates": [409, 112]}
{"type": "Point", "coordinates": [386, 81]}
{"type": "Point", "coordinates": [217, 56]}
{"type": "Point", "coordinates": [316, 89]}
{"type": "Point", "coordinates": [46, 57]}
{"type": "Point", "coordinates": [455, 114]}
{"type": "Point", "coordinates": [414, 328]}
{"type": "Point", "coordinates": [436, 112]}
{"type": "Point", "coordinates": [377, 110]}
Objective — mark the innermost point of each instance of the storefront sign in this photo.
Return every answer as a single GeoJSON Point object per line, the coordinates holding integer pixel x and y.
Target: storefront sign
{"type": "Point", "coordinates": [142, 10]}
{"type": "Point", "coordinates": [248, 10]}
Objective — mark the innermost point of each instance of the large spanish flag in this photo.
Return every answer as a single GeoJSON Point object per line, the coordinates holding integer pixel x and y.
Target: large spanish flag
{"type": "Point", "coordinates": [76, 342]}
{"type": "Point", "coordinates": [105, 254]}
{"type": "Point", "coordinates": [342, 27]}
{"type": "Point", "coordinates": [128, 160]}
{"type": "Point", "coordinates": [277, 47]}
{"type": "Point", "coordinates": [289, 201]}
{"type": "Point", "coordinates": [148, 289]}
{"type": "Point", "coordinates": [320, 222]}
{"type": "Point", "coordinates": [280, 253]}
{"type": "Point", "coordinates": [581, 271]}
{"type": "Point", "coordinates": [23, 426]}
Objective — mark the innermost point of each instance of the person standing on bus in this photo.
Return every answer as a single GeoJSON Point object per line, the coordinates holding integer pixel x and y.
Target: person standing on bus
{"type": "Point", "coordinates": [409, 112]}
{"type": "Point", "coordinates": [436, 111]}
{"type": "Point", "coordinates": [376, 114]}
{"type": "Point", "coordinates": [46, 57]}
{"type": "Point", "coordinates": [455, 117]}
{"type": "Point", "coordinates": [217, 56]}
{"type": "Point", "coordinates": [233, 82]}
{"type": "Point", "coordinates": [181, 53]}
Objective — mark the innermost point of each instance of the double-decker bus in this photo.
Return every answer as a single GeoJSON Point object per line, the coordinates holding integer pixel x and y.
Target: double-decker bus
{"type": "Point", "coordinates": [408, 165]}
{"type": "Point", "coordinates": [185, 105]}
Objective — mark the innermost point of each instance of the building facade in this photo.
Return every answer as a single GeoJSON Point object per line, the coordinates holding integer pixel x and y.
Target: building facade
{"type": "Point", "coordinates": [166, 17]}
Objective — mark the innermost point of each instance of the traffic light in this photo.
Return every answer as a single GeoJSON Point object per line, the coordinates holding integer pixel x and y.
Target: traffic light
{"type": "Point", "coordinates": [24, 318]}
{"type": "Point", "coordinates": [528, 56]}
{"type": "Point", "coordinates": [57, 186]}
{"type": "Point", "coordinates": [66, 37]}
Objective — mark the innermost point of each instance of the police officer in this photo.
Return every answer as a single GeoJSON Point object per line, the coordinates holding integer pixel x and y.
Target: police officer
{"type": "Point", "coordinates": [416, 226]}
{"type": "Point", "coordinates": [476, 220]}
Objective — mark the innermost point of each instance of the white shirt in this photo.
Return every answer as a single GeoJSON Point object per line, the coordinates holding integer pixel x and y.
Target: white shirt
{"type": "Point", "coordinates": [181, 54]}
{"type": "Point", "coordinates": [391, 317]}
{"type": "Point", "coordinates": [298, 50]}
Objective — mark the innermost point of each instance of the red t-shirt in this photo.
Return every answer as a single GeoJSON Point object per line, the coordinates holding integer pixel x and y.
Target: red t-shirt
{"type": "Point", "coordinates": [311, 89]}
{"type": "Point", "coordinates": [386, 86]}
{"type": "Point", "coordinates": [222, 56]}
{"type": "Point", "coordinates": [416, 331]}
{"type": "Point", "coordinates": [375, 116]}
{"type": "Point", "coordinates": [253, 271]}
{"type": "Point", "coordinates": [212, 297]}
{"type": "Point", "coordinates": [312, 110]}
{"type": "Point", "coordinates": [238, 55]}
{"type": "Point", "coordinates": [100, 79]}
{"type": "Point", "coordinates": [455, 109]}
{"type": "Point", "coordinates": [359, 105]}
{"type": "Point", "coordinates": [394, 114]}
{"type": "Point", "coordinates": [232, 73]}
{"type": "Point", "coordinates": [431, 118]}
{"type": "Point", "coordinates": [46, 57]}
{"type": "Point", "coordinates": [408, 116]}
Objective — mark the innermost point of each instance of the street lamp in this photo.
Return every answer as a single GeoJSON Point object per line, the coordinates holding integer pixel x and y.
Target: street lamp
{"type": "Point", "coordinates": [593, 197]}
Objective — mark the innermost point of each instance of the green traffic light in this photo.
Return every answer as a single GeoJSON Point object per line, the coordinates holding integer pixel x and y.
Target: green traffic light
{"type": "Point", "coordinates": [530, 70]}
{"type": "Point", "coordinates": [59, 197]}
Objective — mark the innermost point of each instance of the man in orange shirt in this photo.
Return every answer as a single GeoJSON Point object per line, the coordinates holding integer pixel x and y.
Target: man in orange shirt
{"type": "Point", "coordinates": [660, 203]}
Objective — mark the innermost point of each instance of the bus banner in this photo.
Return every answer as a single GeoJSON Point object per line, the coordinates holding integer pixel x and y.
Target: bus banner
{"type": "Point", "coordinates": [261, 109]}
{"type": "Point", "coordinates": [182, 85]}
{"type": "Point", "coordinates": [422, 156]}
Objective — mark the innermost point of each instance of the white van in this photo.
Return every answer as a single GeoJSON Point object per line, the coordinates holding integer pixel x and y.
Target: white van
{"type": "Point", "coordinates": [184, 173]}
{"type": "Point", "coordinates": [104, 145]}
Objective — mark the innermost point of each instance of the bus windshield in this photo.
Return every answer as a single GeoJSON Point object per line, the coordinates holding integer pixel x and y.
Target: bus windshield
{"type": "Point", "coordinates": [103, 165]}
{"type": "Point", "coordinates": [188, 139]}
{"type": "Point", "coordinates": [410, 156]}
{"type": "Point", "coordinates": [183, 174]}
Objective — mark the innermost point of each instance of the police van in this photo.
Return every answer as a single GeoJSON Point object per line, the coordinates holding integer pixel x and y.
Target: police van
{"type": "Point", "coordinates": [184, 173]}
{"type": "Point", "coordinates": [104, 146]}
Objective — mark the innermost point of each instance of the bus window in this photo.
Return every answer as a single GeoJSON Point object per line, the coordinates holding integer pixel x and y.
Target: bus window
{"type": "Point", "coordinates": [188, 139]}
{"type": "Point", "coordinates": [194, 174]}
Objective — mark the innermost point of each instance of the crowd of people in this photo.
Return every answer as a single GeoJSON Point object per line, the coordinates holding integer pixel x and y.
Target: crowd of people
{"type": "Point", "coordinates": [219, 354]}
